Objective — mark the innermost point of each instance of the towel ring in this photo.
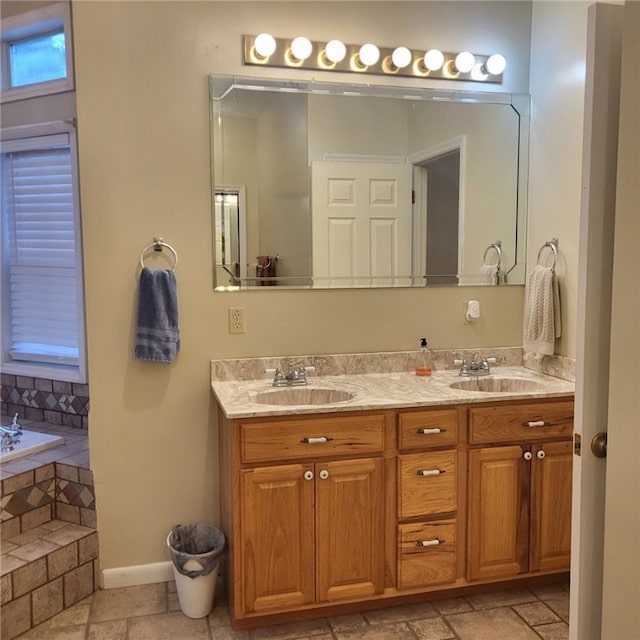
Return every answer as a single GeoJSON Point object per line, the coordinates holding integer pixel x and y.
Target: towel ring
{"type": "Point", "coordinates": [497, 247]}
{"type": "Point", "coordinates": [157, 245]}
{"type": "Point", "coordinates": [553, 245]}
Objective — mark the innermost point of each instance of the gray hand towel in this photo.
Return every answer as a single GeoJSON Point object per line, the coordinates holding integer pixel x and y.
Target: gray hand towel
{"type": "Point", "coordinates": [157, 334]}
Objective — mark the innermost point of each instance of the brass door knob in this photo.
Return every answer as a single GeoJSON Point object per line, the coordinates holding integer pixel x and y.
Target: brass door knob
{"type": "Point", "coordinates": [599, 445]}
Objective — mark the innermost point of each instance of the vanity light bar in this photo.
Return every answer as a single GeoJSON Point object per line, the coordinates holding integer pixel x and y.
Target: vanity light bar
{"type": "Point", "coordinates": [301, 53]}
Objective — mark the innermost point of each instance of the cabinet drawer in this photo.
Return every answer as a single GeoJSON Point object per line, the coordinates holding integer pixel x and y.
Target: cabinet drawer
{"type": "Point", "coordinates": [426, 554]}
{"type": "Point", "coordinates": [520, 422]}
{"type": "Point", "coordinates": [312, 438]}
{"type": "Point", "coordinates": [427, 483]}
{"type": "Point", "coordinates": [421, 429]}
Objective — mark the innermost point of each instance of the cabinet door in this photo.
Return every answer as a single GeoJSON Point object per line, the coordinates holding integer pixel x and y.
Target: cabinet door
{"type": "Point", "coordinates": [550, 544]}
{"type": "Point", "coordinates": [349, 529]}
{"type": "Point", "coordinates": [498, 516]}
{"type": "Point", "coordinates": [277, 537]}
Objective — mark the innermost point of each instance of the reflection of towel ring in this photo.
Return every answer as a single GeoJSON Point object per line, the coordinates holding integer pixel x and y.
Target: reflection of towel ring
{"type": "Point", "coordinates": [553, 245]}
{"type": "Point", "coordinates": [157, 245]}
{"type": "Point", "coordinates": [497, 247]}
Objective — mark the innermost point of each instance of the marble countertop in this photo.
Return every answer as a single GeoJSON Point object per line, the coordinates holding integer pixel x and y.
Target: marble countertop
{"type": "Point", "coordinates": [389, 390]}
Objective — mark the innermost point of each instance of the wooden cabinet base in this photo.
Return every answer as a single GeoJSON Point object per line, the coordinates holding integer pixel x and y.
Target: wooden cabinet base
{"type": "Point", "coordinates": [395, 598]}
{"type": "Point", "coordinates": [332, 514]}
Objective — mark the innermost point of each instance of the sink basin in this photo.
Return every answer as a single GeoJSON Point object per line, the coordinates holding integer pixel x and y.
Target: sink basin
{"type": "Point", "coordinates": [497, 385]}
{"type": "Point", "coordinates": [302, 395]}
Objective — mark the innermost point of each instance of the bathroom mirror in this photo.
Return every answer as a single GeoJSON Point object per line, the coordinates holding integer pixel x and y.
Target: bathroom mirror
{"type": "Point", "coordinates": [320, 185]}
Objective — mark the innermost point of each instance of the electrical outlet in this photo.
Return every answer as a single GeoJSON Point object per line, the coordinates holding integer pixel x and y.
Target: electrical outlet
{"type": "Point", "coordinates": [236, 319]}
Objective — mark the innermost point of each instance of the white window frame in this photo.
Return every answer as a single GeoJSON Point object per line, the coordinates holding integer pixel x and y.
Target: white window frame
{"type": "Point", "coordinates": [29, 24]}
{"type": "Point", "coordinates": [66, 373]}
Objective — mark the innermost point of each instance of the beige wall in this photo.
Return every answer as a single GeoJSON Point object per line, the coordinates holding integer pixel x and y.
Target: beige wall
{"type": "Point", "coordinates": [141, 70]}
{"type": "Point", "coordinates": [558, 37]}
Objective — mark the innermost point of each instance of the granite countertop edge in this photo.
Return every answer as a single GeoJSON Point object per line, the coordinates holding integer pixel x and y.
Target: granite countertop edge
{"type": "Point", "coordinates": [384, 391]}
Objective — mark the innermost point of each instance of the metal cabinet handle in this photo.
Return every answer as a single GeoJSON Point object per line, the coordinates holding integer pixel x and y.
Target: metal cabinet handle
{"type": "Point", "coordinates": [541, 454]}
{"type": "Point", "coordinates": [527, 455]}
{"type": "Point", "coordinates": [324, 474]}
{"type": "Point", "coordinates": [535, 423]}
{"type": "Point", "coordinates": [431, 472]}
{"type": "Point", "coordinates": [319, 440]}
{"type": "Point", "coordinates": [429, 543]}
{"type": "Point", "coordinates": [428, 432]}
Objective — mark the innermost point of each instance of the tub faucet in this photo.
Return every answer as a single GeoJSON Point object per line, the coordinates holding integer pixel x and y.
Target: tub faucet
{"type": "Point", "coordinates": [10, 435]}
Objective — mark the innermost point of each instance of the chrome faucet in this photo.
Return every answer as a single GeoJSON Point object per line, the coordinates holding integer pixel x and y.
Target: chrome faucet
{"type": "Point", "coordinates": [10, 435]}
{"type": "Point", "coordinates": [475, 367]}
{"type": "Point", "coordinates": [293, 375]}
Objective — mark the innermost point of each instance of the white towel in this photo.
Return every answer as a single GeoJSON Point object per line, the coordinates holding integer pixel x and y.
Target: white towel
{"type": "Point", "coordinates": [489, 274]}
{"type": "Point", "coordinates": [542, 324]}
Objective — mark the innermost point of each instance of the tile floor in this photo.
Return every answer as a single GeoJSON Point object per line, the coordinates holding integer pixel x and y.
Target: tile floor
{"type": "Point", "coordinates": [152, 612]}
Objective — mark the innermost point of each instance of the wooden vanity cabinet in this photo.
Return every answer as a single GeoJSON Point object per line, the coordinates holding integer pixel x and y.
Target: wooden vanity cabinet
{"type": "Point", "coordinates": [519, 490]}
{"type": "Point", "coordinates": [308, 531]}
{"type": "Point", "coordinates": [353, 508]}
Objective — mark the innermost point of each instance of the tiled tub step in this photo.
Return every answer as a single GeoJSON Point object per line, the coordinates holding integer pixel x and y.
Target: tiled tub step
{"type": "Point", "coordinates": [45, 570]}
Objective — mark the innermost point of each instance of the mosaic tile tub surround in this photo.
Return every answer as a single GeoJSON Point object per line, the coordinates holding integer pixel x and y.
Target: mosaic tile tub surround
{"type": "Point", "coordinates": [52, 401]}
{"type": "Point", "coordinates": [49, 544]}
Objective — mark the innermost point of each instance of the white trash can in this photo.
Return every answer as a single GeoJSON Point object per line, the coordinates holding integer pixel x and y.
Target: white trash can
{"type": "Point", "coordinates": [196, 553]}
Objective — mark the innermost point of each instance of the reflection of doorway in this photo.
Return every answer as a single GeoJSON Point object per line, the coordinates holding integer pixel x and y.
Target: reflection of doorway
{"type": "Point", "coordinates": [361, 223]}
{"type": "Point", "coordinates": [229, 229]}
{"type": "Point", "coordinates": [443, 188]}
{"type": "Point", "coordinates": [438, 177]}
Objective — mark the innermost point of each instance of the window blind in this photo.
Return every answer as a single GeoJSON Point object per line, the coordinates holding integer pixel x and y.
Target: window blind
{"type": "Point", "coordinates": [41, 253]}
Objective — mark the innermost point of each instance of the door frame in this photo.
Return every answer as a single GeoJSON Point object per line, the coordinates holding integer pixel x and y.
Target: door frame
{"type": "Point", "coordinates": [418, 160]}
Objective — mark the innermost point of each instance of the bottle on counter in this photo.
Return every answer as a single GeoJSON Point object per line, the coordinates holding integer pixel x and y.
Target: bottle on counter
{"type": "Point", "coordinates": [424, 365]}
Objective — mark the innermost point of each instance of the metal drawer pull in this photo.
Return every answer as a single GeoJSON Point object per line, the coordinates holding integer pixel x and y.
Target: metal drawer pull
{"type": "Point", "coordinates": [429, 543]}
{"type": "Point", "coordinates": [535, 423]}
{"type": "Point", "coordinates": [431, 472]}
{"type": "Point", "coordinates": [320, 440]}
{"type": "Point", "coordinates": [428, 432]}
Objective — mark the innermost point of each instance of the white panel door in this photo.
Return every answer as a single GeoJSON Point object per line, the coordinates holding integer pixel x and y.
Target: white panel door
{"type": "Point", "coordinates": [621, 575]}
{"type": "Point", "coordinates": [361, 224]}
{"type": "Point", "coordinates": [605, 569]}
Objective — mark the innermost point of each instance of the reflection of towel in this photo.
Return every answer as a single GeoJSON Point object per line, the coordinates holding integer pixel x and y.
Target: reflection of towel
{"type": "Point", "coordinates": [489, 274]}
{"type": "Point", "coordinates": [542, 311]}
{"type": "Point", "coordinates": [157, 337]}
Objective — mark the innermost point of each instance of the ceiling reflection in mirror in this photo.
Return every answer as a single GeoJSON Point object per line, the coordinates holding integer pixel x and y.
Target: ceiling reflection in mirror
{"type": "Point", "coordinates": [321, 185]}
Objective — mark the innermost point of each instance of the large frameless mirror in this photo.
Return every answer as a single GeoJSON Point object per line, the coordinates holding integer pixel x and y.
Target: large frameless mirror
{"type": "Point", "coordinates": [321, 185]}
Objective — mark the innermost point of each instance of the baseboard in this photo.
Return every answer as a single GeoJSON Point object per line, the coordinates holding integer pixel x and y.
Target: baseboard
{"type": "Point", "coordinates": [136, 574]}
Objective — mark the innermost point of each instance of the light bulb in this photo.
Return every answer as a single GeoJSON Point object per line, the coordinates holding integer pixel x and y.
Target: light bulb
{"type": "Point", "coordinates": [465, 62]}
{"type": "Point", "coordinates": [495, 64]}
{"type": "Point", "coordinates": [264, 45]}
{"type": "Point", "coordinates": [335, 51]}
{"type": "Point", "coordinates": [369, 54]}
{"type": "Point", "coordinates": [301, 48]}
{"type": "Point", "coordinates": [401, 57]}
{"type": "Point", "coordinates": [433, 59]}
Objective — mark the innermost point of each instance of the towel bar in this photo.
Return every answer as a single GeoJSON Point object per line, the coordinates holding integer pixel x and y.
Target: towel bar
{"type": "Point", "coordinates": [157, 245]}
{"type": "Point", "coordinates": [497, 247]}
{"type": "Point", "coordinates": [553, 245]}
